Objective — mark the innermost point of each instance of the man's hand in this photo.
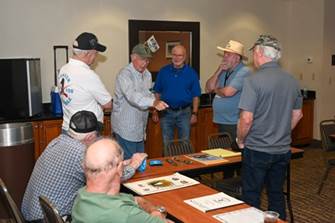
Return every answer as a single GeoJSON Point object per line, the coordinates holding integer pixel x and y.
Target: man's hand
{"type": "Point", "coordinates": [155, 117]}
{"type": "Point", "coordinates": [240, 144]}
{"type": "Point", "coordinates": [160, 105]}
{"type": "Point", "coordinates": [136, 160]}
{"type": "Point", "coordinates": [194, 119]}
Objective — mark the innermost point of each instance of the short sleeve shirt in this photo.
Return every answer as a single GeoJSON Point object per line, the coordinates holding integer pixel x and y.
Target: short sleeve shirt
{"type": "Point", "coordinates": [81, 89]}
{"type": "Point", "coordinates": [271, 94]}
{"type": "Point", "coordinates": [225, 109]}
{"type": "Point", "coordinates": [99, 207]}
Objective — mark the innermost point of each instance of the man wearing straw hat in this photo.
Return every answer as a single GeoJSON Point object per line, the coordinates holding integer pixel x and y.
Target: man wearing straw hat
{"type": "Point", "coordinates": [227, 83]}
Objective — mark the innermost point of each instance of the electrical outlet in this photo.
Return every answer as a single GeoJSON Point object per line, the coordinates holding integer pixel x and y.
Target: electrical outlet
{"type": "Point", "coordinates": [330, 81]}
{"type": "Point", "coordinates": [313, 76]}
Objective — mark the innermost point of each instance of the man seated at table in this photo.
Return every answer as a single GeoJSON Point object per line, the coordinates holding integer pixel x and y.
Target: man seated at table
{"type": "Point", "coordinates": [101, 200]}
{"type": "Point", "coordinates": [58, 173]}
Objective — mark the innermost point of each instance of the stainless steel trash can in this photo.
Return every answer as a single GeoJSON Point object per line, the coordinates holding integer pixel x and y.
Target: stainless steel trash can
{"type": "Point", "coordinates": [16, 157]}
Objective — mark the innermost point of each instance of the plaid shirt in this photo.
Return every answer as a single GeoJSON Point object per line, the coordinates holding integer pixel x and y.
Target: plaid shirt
{"type": "Point", "coordinates": [58, 175]}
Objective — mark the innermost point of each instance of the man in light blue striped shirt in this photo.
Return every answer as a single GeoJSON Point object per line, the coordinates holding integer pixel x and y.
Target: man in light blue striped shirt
{"type": "Point", "coordinates": [132, 99]}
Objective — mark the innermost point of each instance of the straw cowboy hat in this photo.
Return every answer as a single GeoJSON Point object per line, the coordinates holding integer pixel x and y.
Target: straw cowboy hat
{"type": "Point", "coordinates": [234, 47]}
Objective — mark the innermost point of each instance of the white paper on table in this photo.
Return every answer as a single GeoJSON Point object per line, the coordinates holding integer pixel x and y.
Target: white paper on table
{"type": "Point", "coordinates": [160, 184]}
{"type": "Point", "coordinates": [212, 202]}
{"type": "Point", "coordinates": [250, 215]}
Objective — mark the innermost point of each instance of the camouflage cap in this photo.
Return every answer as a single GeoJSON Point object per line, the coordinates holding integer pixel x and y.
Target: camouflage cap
{"type": "Point", "coordinates": [267, 40]}
{"type": "Point", "coordinates": [142, 50]}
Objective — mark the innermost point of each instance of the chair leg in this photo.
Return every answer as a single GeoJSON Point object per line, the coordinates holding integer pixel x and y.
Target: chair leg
{"type": "Point", "coordinates": [323, 179]}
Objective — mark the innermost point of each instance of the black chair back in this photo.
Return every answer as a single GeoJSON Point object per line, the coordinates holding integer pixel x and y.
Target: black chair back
{"type": "Point", "coordinates": [219, 140]}
{"type": "Point", "coordinates": [11, 210]}
{"type": "Point", "coordinates": [327, 128]}
{"type": "Point", "coordinates": [178, 147]}
{"type": "Point", "coordinates": [51, 214]}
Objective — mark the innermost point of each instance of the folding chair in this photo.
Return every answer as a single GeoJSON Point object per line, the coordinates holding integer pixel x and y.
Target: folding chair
{"type": "Point", "coordinates": [51, 214]}
{"type": "Point", "coordinates": [11, 209]}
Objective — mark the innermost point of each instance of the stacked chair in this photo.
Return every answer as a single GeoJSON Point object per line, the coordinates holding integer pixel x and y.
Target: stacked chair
{"type": "Point", "coordinates": [327, 127]}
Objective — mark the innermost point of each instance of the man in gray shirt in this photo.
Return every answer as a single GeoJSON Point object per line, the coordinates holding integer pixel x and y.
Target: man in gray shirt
{"type": "Point", "coordinates": [270, 108]}
{"type": "Point", "coordinates": [131, 101]}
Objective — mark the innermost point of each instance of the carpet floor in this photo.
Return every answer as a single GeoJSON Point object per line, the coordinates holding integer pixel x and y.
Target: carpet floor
{"type": "Point", "coordinates": [306, 173]}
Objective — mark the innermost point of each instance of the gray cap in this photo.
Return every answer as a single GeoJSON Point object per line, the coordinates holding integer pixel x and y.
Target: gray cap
{"type": "Point", "coordinates": [142, 50]}
{"type": "Point", "coordinates": [267, 40]}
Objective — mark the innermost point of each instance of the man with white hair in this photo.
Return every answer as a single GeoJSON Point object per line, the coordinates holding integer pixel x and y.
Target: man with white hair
{"type": "Point", "coordinates": [79, 86]}
{"type": "Point", "coordinates": [270, 106]}
{"type": "Point", "coordinates": [58, 173]}
{"type": "Point", "coordinates": [101, 200]}
{"type": "Point", "coordinates": [227, 83]}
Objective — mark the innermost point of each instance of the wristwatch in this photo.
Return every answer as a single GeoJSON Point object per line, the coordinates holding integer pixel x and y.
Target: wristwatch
{"type": "Point", "coordinates": [162, 210]}
{"type": "Point", "coordinates": [195, 113]}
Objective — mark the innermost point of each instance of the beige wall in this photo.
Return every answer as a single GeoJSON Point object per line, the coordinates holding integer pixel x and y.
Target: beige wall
{"type": "Point", "coordinates": [31, 28]}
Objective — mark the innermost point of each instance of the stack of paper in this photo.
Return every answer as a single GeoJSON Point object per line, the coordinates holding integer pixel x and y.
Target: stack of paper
{"type": "Point", "coordinates": [249, 215]}
{"type": "Point", "coordinates": [212, 202]}
{"type": "Point", "coordinates": [219, 152]}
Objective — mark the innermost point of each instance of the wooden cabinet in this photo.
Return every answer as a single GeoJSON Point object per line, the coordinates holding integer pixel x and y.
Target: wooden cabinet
{"type": "Point", "coordinates": [303, 132]}
{"type": "Point", "coordinates": [44, 132]}
{"type": "Point", "coordinates": [107, 131]}
{"type": "Point", "coordinates": [199, 134]}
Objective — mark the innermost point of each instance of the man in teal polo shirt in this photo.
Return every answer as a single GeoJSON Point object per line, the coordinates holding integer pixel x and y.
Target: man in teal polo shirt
{"type": "Point", "coordinates": [177, 84]}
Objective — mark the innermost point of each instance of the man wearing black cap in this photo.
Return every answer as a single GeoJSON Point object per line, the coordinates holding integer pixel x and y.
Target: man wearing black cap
{"type": "Point", "coordinates": [79, 86]}
{"type": "Point", "coordinates": [270, 108]}
{"type": "Point", "coordinates": [58, 173]}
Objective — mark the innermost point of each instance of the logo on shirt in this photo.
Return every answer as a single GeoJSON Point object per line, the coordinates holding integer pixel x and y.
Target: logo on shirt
{"type": "Point", "coordinates": [65, 88]}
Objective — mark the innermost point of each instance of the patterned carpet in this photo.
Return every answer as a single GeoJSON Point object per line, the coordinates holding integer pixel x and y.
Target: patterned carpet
{"type": "Point", "coordinates": [306, 174]}
{"type": "Point", "coordinates": [308, 206]}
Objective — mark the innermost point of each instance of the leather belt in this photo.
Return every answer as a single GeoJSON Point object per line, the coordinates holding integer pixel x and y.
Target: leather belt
{"type": "Point", "coordinates": [179, 108]}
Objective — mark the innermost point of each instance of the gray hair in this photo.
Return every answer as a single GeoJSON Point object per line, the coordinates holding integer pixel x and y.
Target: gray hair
{"type": "Point", "coordinates": [79, 136]}
{"type": "Point", "coordinates": [79, 51]}
{"type": "Point", "coordinates": [109, 162]}
{"type": "Point", "coordinates": [270, 52]}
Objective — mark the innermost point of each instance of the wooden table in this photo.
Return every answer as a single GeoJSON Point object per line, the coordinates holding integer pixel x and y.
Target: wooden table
{"type": "Point", "coordinates": [332, 136]}
{"type": "Point", "coordinates": [173, 201]}
{"type": "Point", "coordinates": [195, 168]}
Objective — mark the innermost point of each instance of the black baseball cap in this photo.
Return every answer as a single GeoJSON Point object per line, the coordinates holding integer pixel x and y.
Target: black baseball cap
{"type": "Point", "coordinates": [85, 122]}
{"type": "Point", "coordinates": [88, 41]}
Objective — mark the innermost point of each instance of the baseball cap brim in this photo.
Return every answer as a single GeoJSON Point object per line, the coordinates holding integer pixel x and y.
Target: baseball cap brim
{"type": "Point", "coordinates": [101, 48]}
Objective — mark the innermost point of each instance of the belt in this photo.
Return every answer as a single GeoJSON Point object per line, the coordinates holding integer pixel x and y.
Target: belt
{"type": "Point", "coordinates": [179, 108]}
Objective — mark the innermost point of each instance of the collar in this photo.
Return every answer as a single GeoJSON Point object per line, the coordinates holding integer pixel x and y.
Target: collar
{"type": "Point", "coordinates": [79, 63]}
{"type": "Point", "coordinates": [268, 65]}
{"type": "Point", "coordinates": [177, 70]}
{"type": "Point", "coordinates": [131, 65]}
{"type": "Point", "coordinates": [238, 66]}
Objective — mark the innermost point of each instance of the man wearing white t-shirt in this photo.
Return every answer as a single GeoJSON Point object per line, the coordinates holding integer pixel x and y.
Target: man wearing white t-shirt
{"type": "Point", "coordinates": [79, 86]}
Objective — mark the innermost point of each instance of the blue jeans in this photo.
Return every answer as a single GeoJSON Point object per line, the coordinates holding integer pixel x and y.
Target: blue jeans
{"type": "Point", "coordinates": [129, 147]}
{"type": "Point", "coordinates": [263, 169]}
{"type": "Point", "coordinates": [175, 118]}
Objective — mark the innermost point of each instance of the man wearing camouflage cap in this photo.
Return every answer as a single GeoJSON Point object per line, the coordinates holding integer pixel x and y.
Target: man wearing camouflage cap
{"type": "Point", "coordinates": [270, 108]}
{"type": "Point", "coordinates": [132, 98]}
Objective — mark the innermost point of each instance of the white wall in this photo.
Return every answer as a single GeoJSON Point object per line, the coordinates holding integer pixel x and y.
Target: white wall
{"type": "Point", "coordinates": [31, 28]}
